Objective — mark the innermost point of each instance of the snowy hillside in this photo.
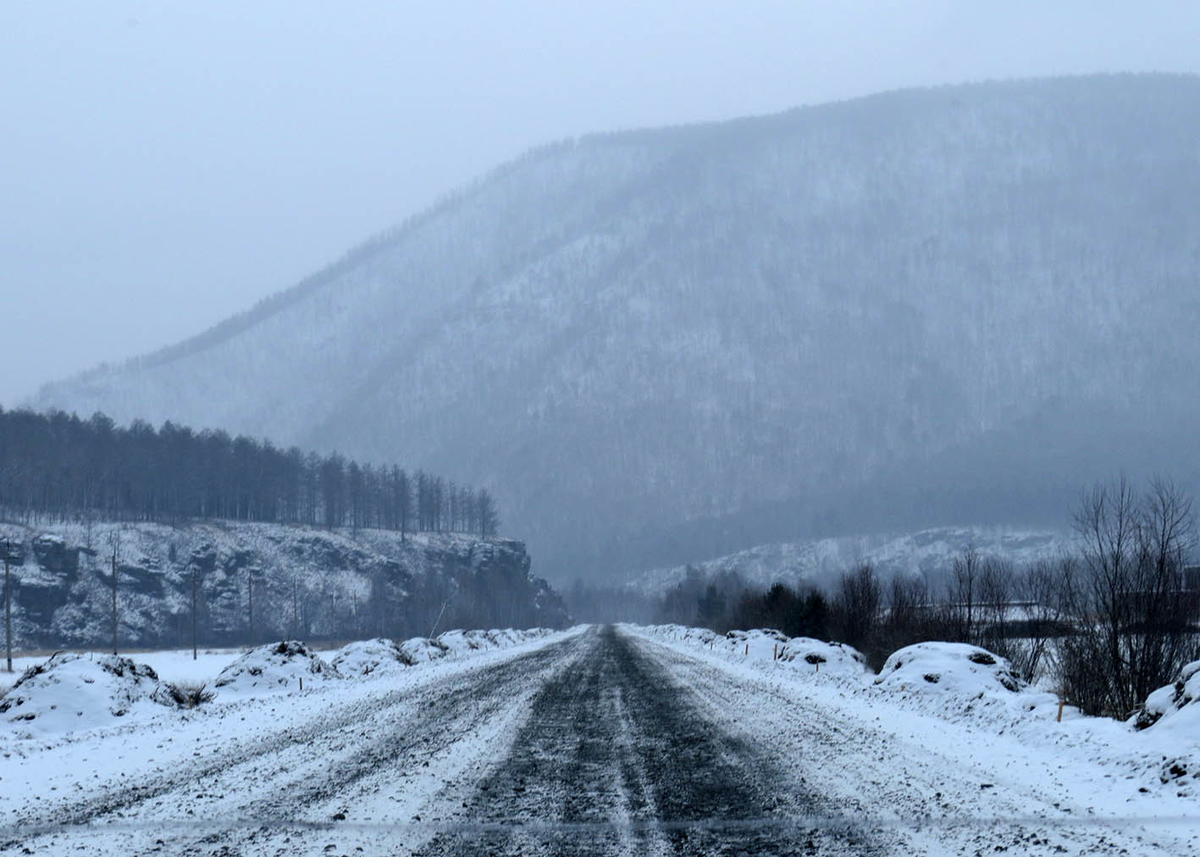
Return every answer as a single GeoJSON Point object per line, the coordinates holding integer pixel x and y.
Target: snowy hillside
{"type": "Point", "coordinates": [897, 311]}
{"type": "Point", "coordinates": [820, 561]}
{"type": "Point", "coordinates": [307, 582]}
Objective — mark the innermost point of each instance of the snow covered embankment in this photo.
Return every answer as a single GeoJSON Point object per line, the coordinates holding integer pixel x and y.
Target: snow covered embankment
{"type": "Point", "coordinates": [976, 690]}
{"type": "Point", "coordinates": [72, 692]}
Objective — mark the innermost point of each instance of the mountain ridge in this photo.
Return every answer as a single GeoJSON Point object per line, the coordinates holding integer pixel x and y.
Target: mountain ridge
{"type": "Point", "coordinates": [640, 329]}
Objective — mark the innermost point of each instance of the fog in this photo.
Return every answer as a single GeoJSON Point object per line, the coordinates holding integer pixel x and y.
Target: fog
{"type": "Point", "coordinates": [166, 167]}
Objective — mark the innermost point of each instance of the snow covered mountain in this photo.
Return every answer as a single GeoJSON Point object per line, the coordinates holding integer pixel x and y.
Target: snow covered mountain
{"type": "Point", "coordinates": [953, 305]}
{"type": "Point", "coordinates": [929, 553]}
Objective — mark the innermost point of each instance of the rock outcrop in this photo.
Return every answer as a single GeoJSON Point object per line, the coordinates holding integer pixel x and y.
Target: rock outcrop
{"type": "Point", "coordinates": [258, 581]}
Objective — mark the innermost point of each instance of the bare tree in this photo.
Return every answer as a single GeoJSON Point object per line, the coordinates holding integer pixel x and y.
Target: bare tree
{"type": "Point", "coordinates": [1039, 589]}
{"type": "Point", "coordinates": [995, 608]}
{"type": "Point", "coordinates": [1135, 623]}
{"type": "Point", "coordinates": [964, 595]}
{"type": "Point", "coordinates": [907, 612]}
{"type": "Point", "coordinates": [857, 606]}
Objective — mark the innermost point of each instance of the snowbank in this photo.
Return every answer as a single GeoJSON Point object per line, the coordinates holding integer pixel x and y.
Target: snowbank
{"type": "Point", "coordinates": [1172, 715]}
{"type": "Point", "coordinates": [1170, 708]}
{"type": "Point", "coordinates": [818, 656]}
{"type": "Point", "coordinates": [801, 653]}
{"type": "Point", "coordinates": [955, 668]}
{"type": "Point", "coordinates": [462, 642]}
{"type": "Point", "coordinates": [420, 650]}
{"type": "Point", "coordinates": [368, 658]}
{"type": "Point", "coordinates": [381, 656]}
{"type": "Point", "coordinates": [274, 668]}
{"type": "Point", "coordinates": [76, 692]}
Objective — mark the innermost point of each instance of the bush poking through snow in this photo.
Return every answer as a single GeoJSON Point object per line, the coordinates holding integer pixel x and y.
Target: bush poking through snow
{"type": "Point", "coordinates": [183, 694]}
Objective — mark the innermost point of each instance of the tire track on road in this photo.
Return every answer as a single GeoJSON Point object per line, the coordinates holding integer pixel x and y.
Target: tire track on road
{"type": "Point", "coordinates": [411, 725]}
{"type": "Point", "coordinates": [617, 758]}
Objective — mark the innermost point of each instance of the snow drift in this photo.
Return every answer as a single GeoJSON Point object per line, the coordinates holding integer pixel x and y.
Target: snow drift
{"type": "Point", "coordinates": [369, 658]}
{"type": "Point", "coordinates": [278, 667]}
{"type": "Point", "coordinates": [364, 658]}
{"type": "Point", "coordinates": [78, 691]}
{"type": "Point", "coordinates": [802, 653]}
{"type": "Point", "coordinates": [1171, 708]}
{"type": "Point", "coordinates": [948, 668]}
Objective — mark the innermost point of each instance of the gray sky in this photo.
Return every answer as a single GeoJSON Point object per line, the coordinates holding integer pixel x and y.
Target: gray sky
{"type": "Point", "coordinates": [163, 165]}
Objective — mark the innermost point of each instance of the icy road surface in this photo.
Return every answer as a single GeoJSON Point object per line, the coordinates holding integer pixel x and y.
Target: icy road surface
{"type": "Point", "coordinates": [598, 742]}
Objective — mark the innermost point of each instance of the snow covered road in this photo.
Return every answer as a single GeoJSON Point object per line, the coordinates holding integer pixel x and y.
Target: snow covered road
{"type": "Point", "coordinates": [596, 742]}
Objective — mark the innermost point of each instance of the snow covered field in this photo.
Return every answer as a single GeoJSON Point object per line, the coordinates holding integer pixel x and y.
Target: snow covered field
{"type": "Point", "coordinates": [602, 740]}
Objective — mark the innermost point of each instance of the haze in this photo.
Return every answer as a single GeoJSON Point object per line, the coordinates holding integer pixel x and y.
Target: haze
{"type": "Point", "coordinates": [166, 167]}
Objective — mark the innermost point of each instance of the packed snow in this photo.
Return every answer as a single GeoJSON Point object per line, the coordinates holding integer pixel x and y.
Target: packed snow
{"type": "Point", "coordinates": [424, 755]}
{"type": "Point", "coordinates": [954, 683]}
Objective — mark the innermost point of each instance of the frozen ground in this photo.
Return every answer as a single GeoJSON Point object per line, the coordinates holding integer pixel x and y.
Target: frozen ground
{"type": "Point", "coordinates": [608, 740]}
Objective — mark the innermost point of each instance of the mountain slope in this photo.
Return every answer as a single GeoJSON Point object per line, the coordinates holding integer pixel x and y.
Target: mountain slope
{"type": "Point", "coordinates": [812, 312]}
{"type": "Point", "coordinates": [929, 554]}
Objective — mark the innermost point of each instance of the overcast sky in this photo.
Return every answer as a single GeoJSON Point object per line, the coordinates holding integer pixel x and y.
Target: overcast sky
{"type": "Point", "coordinates": [163, 165]}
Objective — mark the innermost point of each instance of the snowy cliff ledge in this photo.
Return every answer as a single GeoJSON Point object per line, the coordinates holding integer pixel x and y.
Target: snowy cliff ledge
{"type": "Point", "coordinates": [257, 582]}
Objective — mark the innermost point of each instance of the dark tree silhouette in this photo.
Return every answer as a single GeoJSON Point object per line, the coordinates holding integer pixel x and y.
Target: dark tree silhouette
{"type": "Point", "coordinates": [55, 466]}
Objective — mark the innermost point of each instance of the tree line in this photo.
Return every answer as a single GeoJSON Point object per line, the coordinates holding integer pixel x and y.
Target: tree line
{"type": "Point", "coordinates": [1107, 622]}
{"type": "Point", "coordinates": [60, 467]}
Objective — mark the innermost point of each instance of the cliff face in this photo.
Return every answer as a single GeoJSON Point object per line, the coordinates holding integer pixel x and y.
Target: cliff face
{"type": "Point", "coordinates": [260, 581]}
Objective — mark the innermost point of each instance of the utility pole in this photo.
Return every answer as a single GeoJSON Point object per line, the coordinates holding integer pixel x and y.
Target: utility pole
{"type": "Point", "coordinates": [250, 599]}
{"type": "Point", "coordinates": [193, 611]}
{"type": "Point", "coordinates": [7, 609]}
{"type": "Point", "coordinates": [114, 596]}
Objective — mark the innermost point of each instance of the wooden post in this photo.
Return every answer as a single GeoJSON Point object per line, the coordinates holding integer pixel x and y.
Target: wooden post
{"type": "Point", "coordinates": [1061, 703]}
{"type": "Point", "coordinates": [775, 652]}
{"type": "Point", "coordinates": [7, 609]}
{"type": "Point", "coordinates": [302, 682]}
{"type": "Point", "coordinates": [747, 649]}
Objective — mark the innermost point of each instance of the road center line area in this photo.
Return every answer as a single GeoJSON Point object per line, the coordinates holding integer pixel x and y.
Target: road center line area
{"type": "Point", "coordinates": [599, 741]}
